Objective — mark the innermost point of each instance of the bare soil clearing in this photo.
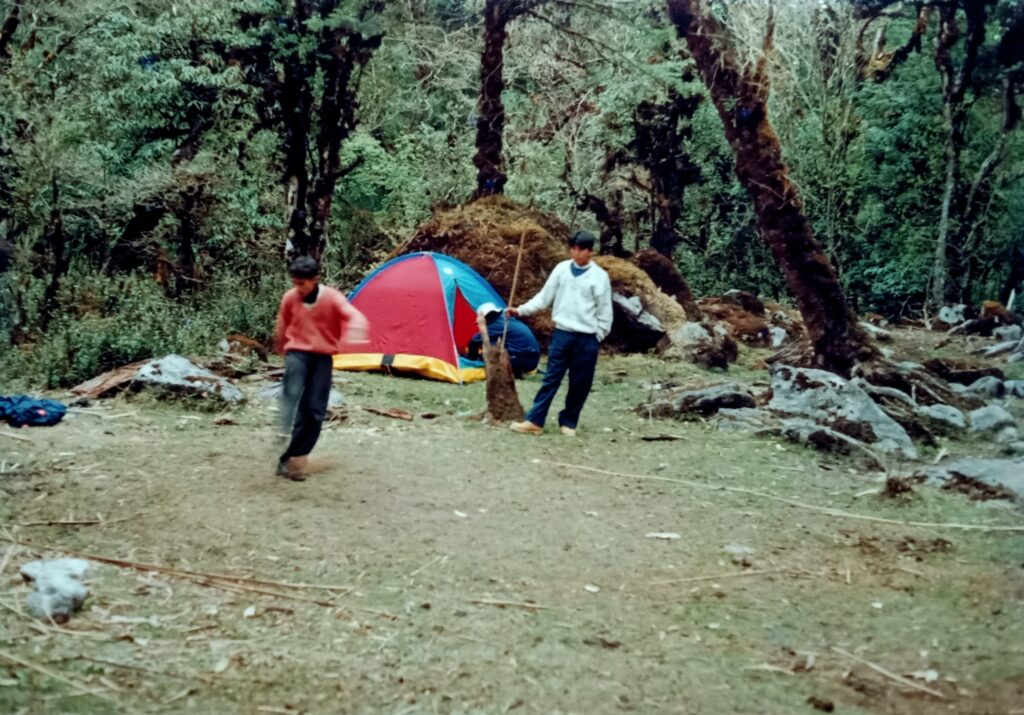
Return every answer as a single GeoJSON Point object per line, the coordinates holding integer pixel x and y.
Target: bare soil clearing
{"type": "Point", "coordinates": [485, 576]}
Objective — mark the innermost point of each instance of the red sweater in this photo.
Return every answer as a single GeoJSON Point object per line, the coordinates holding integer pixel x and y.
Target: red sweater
{"type": "Point", "coordinates": [320, 327]}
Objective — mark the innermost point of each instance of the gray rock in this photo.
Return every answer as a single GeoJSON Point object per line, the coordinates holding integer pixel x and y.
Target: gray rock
{"type": "Point", "coordinates": [838, 404]}
{"type": "Point", "coordinates": [181, 375]}
{"type": "Point", "coordinates": [953, 314]}
{"type": "Point", "coordinates": [882, 336]}
{"type": "Point", "coordinates": [777, 335]}
{"type": "Point", "coordinates": [1014, 388]}
{"type": "Point", "coordinates": [997, 350]}
{"type": "Point", "coordinates": [991, 419]}
{"type": "Point", "coordinates": [1007, 333]}
{"type": "Point", "coordinates": [709, 400]}
{"type": "Point", "coordinates": [943, 415]}
{"type": "Point", "coordinates": [1014, 448]}
{"type": "Point", "coordinates": [988, 386]}
{"type": "Point", "coordinates": [1007, 435]}
{"type": "Point", "coordinates": [825, 439]}
{"type": "Point", "coordinates": [1016, 357]}
{"type": "Point", "coordinates": [634, 307]}
{"type": "Point", "coordinates": [991, 478]}
{"type": "Point", "coordinates": [880, 393]}
{"type": "Point", "coordinates": [743, 419]}
{"type": "Point", "coordinates": [691, 334]}
{"type": "Point", "coordinates": [59, 590]}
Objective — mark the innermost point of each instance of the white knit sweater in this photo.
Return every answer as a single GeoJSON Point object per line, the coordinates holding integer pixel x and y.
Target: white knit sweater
{"type": "Point", "coordinates": [582, 304]}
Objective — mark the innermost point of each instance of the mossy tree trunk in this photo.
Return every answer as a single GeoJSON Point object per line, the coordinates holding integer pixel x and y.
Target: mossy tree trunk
{"type": "Point", "coordinates": [740, 96]}
{"type": "Point", "coordinates": [490, 119]}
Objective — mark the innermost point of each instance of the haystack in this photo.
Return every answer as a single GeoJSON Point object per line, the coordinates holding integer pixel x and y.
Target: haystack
{"type": "Point", "coordinates": [485, 234]}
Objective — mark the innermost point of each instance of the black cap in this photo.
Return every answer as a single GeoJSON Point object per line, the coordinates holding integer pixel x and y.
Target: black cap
{"type": "Point", "coordinates": [582, 239]}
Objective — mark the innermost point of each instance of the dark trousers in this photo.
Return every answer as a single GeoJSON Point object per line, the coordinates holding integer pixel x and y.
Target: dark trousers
{"type": "Point", "coordinates": [304, 394]}
{"type": "Point", "coordinates": [575, 353]}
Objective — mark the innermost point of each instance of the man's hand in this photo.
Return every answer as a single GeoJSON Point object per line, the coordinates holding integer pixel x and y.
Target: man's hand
{"type": "Point", "coordinates": [512, 312]}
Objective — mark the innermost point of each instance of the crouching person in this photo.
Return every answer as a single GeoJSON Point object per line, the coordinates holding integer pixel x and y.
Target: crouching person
{"type": "Point", "coordinates": [520, 344]}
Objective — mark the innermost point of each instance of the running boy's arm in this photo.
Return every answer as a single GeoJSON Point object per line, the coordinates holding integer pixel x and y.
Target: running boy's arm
{"type": "Point", "coordinates": [357, 327]}
{"type": "Point", "coordinates": [604, 310]}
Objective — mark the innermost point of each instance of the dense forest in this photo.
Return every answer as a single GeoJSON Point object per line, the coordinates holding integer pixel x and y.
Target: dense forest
{"type": "Point", "coordinates": [160, 160]}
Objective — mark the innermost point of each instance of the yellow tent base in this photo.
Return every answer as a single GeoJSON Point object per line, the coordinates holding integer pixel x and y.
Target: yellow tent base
{"type": "Point", "coordinates": [434, 368]}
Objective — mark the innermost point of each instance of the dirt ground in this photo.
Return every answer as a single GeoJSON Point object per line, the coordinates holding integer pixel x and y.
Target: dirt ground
{"type": "Point", "coordinates": [481, 571]}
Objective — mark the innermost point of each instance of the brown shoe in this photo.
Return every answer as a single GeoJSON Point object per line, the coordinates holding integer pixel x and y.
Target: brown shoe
{"type": "Point", "coordinates": [526, 427]}
{"type": "Point", "coordinates": [296, 469]}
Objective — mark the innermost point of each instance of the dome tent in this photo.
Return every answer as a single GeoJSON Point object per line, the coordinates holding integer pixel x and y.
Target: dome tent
{"type": "Point", "coordinates": [422, 313]}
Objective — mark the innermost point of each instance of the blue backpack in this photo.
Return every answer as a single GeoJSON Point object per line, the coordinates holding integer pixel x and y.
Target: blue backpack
{"type": "Point", "coordinates": [20, 410]}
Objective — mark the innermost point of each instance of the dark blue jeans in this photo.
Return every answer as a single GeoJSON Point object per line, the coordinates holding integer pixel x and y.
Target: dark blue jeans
{"type": "Point", "coordinates": [304, 394]}
{"type": "Point", "coordinates": [575, 353]}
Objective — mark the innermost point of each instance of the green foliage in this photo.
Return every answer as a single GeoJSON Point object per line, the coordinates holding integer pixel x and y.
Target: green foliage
{"type": "Point", "coordinates": [107, 323]}
{"type": "Point", "coordinates": [99, 101]}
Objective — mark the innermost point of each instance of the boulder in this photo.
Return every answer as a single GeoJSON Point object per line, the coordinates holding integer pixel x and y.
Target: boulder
{"type": "Point", "coordinates": [179, 375]}
{"type": "Point", "coordinates": [980, 478]}
{"type": "Point", "coordinates": [1007, 333]}
{"type": "Point", "coordinates": [801, 430]}
{"type": "Point", "coordinates": [1014, 388]}
{"type": "Point", "coordinates": [879, 334]}
{"type": "Point", "coordinates": [743, 419]}
{"type": "Point", "coordinates": [988, 386]}
{"type": "Point", "coordinates": [838, 404]}
{"type": "Point", "coordinates": [953, 314]}
{"type": "Point", "coordinates": [1007, 435]}
{"type": "Point", "coordinates": [991, 419]}
{"type": "Point", "coordinates": [943, 418]}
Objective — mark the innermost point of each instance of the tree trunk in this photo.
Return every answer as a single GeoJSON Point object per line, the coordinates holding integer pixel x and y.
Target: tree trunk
{"type": "Point", "coordinates": [660, 135]}
{"type": "Point", "coordinates": [610, 218]}
{"type": "Point", "coordinates": [56, 241]}
{"type": "Point", "coordinates": [490, 120]}
{"type": "Point", "coordinates": [310, 181]}
{"type": "Point", "coordinates": [296, 107]}
{"type": "Point", "coordinates": [741, 98]}
{"type": "Point", "coordinates": [953, 223]}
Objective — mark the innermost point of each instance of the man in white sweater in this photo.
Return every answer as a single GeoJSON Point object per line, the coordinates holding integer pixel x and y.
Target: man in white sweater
{"type": "Point", "coordinates": [581, 295]}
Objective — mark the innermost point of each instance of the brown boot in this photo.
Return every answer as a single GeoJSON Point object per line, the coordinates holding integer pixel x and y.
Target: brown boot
{"type": "Point", "coordinates": [297, 469]}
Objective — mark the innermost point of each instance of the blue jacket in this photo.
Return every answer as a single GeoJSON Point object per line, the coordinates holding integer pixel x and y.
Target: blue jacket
{"type": "Point", "coordinates": [523, 349]}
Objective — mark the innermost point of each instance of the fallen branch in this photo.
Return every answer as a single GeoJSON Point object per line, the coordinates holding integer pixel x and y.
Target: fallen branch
{"type": "Point", "coordinates": [179, 572]}
{"type": "Point", "coordinates": [889, 674]}
{"type": "Point", "coordinates": [791, 502]}
{"type": "Point", "coordinates": [738, 574]}
{"type": "Point", "coordinates": [8, 433]}
{"type": "Point", "coordinates": [509, 604]}
{"type": "Point", "coordinates": [80, 522]}
{"type": "Point", "coordinates": [390, 412]}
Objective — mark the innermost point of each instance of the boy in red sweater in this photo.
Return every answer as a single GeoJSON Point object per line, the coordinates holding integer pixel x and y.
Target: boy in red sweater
{"type": "Point", "coordinates": [312, 323]}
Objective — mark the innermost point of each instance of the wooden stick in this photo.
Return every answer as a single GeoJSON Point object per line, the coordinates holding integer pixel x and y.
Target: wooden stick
{"type": "Point", "coordinates": [889, 674]}
{"type": "Point", "coordinates": [78, 687]}
{"type": "Point", "coordinates": [7, 558]}
{"type": "Point", "coordinates": [515, 282]}
{"type": "Point", "coordinates": [503, 604]}
{"type": "Point", "coordinates": [8, 433]}
{"type": "Point", "coordinates": [179, 572]}
{"type": "Point", "coordinates": [791, 502]}
{"type": "Point", "coordinates": [738, 574]}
